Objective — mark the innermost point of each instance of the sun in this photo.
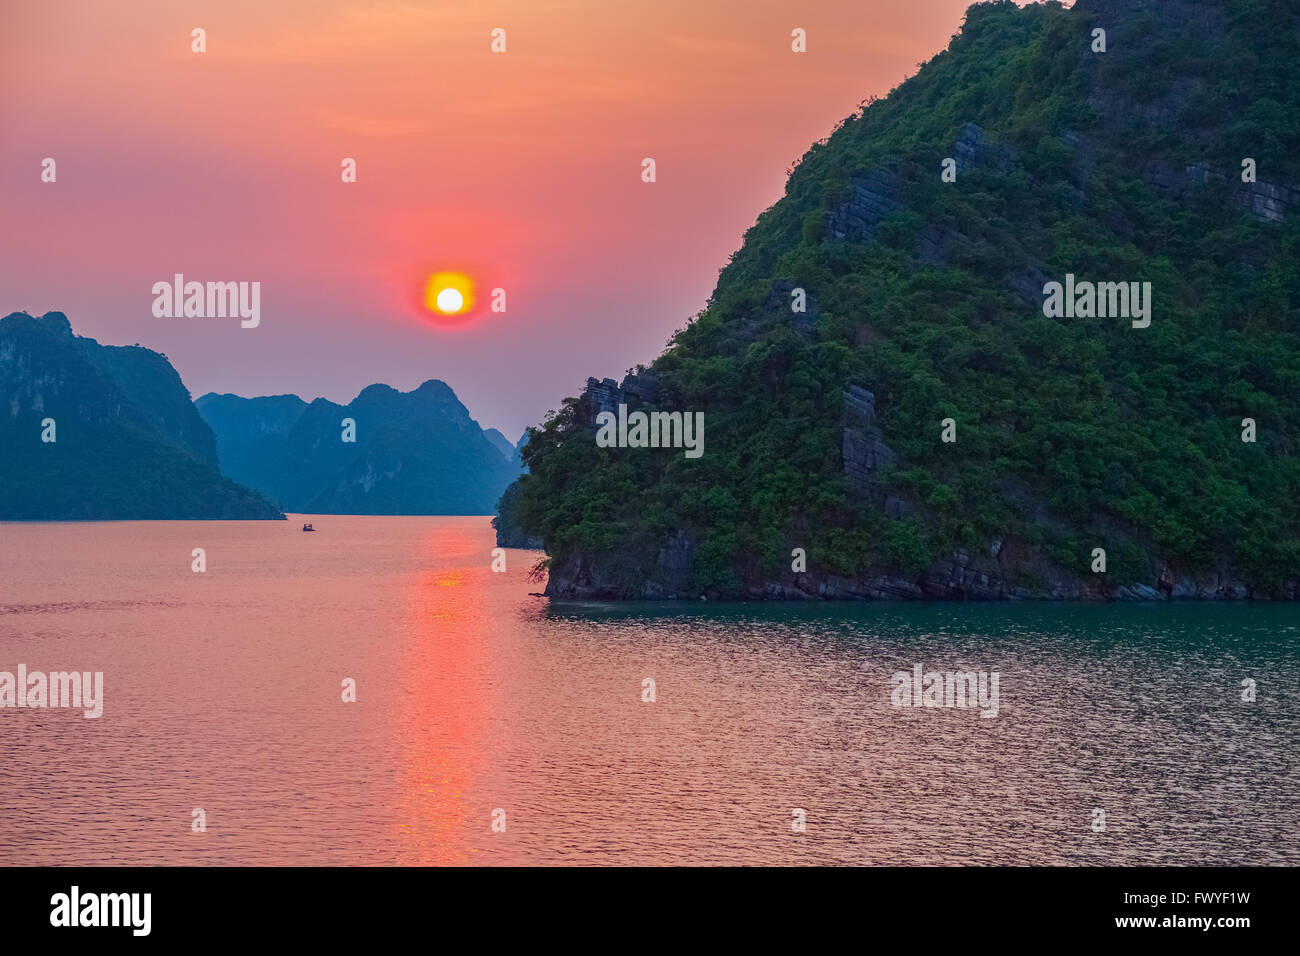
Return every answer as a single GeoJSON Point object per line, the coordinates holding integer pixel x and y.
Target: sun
{"type": "Point", "coordinates": [449, 293]}
{"type": "Point", "coordinates": [450, 301]}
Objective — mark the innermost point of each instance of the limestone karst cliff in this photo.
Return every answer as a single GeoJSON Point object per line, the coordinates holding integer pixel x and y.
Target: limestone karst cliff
{"type": "Point", "coordinates": [924, 427]}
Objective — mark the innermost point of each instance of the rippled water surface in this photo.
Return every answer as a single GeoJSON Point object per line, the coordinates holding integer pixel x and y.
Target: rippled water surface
{"type": "Point", "coordinates": [223, 692]}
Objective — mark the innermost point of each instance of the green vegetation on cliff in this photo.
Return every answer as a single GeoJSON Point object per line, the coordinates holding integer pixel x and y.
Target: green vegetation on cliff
{"type": "Point", "coordinates": [1072, 433]}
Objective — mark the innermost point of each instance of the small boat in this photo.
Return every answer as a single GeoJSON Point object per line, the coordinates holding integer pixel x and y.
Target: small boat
{"type": "Point", "coordinates": [308, 527]}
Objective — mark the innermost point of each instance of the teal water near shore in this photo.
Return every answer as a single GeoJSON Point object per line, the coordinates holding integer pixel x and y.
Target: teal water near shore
{"type": "Point", "coordinates": [474, 694]}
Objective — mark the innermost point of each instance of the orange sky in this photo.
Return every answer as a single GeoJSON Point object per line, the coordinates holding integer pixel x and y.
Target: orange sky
{"type": "Point", "coordinates": [522, 169]}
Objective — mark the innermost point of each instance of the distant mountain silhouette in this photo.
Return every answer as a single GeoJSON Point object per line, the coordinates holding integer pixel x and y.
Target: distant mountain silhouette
{"type": "Point", "coordinates": [415, 452]}
{"type": "Point", "coordinates": [250, 434]}
{"type": "Point", "coordinates": [128, 442]}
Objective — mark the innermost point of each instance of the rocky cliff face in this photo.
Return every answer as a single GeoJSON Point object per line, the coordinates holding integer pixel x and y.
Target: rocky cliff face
{"type": "Point", "coordinates": [1009, 568]}
{"type": "Point", "coordinates": [864, 449]}
{"type": "Point", "coordinates": [1089, 460]}
{"type": "Point", "coordinates": [1179, 103]}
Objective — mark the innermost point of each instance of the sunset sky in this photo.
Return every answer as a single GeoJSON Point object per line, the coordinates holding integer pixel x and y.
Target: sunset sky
{"type": "Point", "coordinates": [521, 169]}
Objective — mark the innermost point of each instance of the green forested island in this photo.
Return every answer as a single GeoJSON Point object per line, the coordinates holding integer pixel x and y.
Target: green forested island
{"type": "Point", "coordinates": [921, 238]}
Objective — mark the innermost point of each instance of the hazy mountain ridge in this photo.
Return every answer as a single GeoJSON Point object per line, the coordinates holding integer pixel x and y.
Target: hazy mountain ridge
{"type": "Point", "coordinates": [127, 440]}
{"type": "Point", "coordinates": [415, 452]}
{"type": "Point", "coordinates": [500, 443]}
{"type": "Point", "coordinates": [924, 303]}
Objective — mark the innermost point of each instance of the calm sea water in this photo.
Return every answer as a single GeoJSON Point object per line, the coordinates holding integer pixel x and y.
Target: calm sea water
{"type": "Point", "coordinates": [223, 692]}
